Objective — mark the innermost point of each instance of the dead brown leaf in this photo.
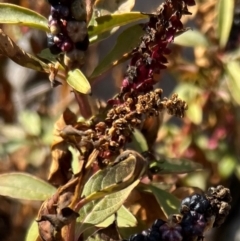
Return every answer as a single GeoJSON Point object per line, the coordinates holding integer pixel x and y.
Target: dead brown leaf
{"type": "Point", "coordinates": [11, 50]}
{"type": "Point", "coordinates": [61, 156]}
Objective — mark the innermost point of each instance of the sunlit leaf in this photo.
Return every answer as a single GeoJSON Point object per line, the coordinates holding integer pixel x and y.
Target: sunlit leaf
{"type": "Point", "coordinates": [107, 22]}
{"type": "Point", "coordinates": [125, 218]}
{"type": "Point", "coordinates": [175, 165]}
{"type": "Point", "coordinates": [32, 233]}
{"type": "Point", "coordinates": [78, 81]}
{"type": "Point", "coordinates": [194, 113]}
{"type": "Point", "coordinates": [120, 49]}
{"type": "Point", "coordinates": [168, 202]}
{"type": "Point", "coordinates": [227, 165]}
{"type": "Point", "coordinates": [107, 222]}
{"type": "Point", "coordinates": [97, 211]}
{"type": "Point", "coordinates": [191, 38]}
{"type": "Point", "coordinates": [14, 14]}
{"type": "Point", "coordinates": [25, 186]}
{"type": "Point", "coordinates": [31, 122]}
{"type": "Point", "coordinates": [233, 81]}
{"type": "Point", "coordinates": [114, 178]}
{"type": "Point", "coordinates": [224, 13]}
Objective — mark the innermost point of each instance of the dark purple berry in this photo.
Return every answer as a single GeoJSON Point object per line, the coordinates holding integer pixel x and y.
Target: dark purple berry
{"type": "Point", "coordinates": [171, 232]}
{"type": "Point", "coordinates": [157, 224]}
{"type": "Point", "coordinates": [67, 46]}
{"type": "Point", "coordinates": [193, 224]}
{"type": "Point", "coordinates": [61, 10]}
{"type": "Point", "coordinates": [196, 202]}
{"type": "Point", "coordinates": [137, 237]}
{"type": "Point", "coordinates": [154, 235]}
{"type": "Point", "coordinates": [55, 49]}
{"type": "Point", "coordinates": [50, 41]}
{"type": "Point", "coordinates": [53, 2]}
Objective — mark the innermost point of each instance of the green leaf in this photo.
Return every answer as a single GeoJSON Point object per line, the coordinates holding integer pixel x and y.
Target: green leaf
{"type": "Point", "coordinates": [14, 14]}
{"type": "Point", "coordinates": [168, 202]}
{"type": "Point", "coordinates": [96, 212]}
{"type": "Point", "coordinates": [47, 55]}
{"type": "Point", "coordinates": [224, 13]}
{"type": "Point", "coordinates": [77, 80]}
{"type": "Point", "coordinates": [233, 70]}
{"type": "Point", "coordinates": [194, 113]}
{"type": "Point", "coordinates": [175, 165]}
{"type": "Point", "coordinates": [114, 178]}
{"type": "Point", "coordinates": [125, 218]}
{"type": "Point", "coordinates": [191, 38]}
{"type": "Point", "coordinates": [139, 142]}
{"type": "Point", "coordinates": [31, 122]}
{"type": "Point", "coordinates": [120, 49]}
{"type": "Point", "coordinates": [107, 22]}
{"type": "Point", "coordinates": [227, 165]}
{"type": "Point", "coordinates": [25, 186]}
{"type": "Point", "coordinates": [107, 222]}
{"type": "Point", "coordinates": [32, 233]}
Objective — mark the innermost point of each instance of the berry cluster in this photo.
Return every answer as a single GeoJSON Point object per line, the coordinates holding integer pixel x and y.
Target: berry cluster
{"type": "Point", "coordinates": [68, 30]}
{"type": "Point", "coordinates": [198, 214]}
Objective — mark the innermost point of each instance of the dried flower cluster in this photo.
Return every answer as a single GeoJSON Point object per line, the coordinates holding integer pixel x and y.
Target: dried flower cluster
{"type": "Point", "coordinates": [148, 58]}
{"type": "Point", "coordinates": [137, 101]}
{"type": "Point", "coordinates": [199, 213]}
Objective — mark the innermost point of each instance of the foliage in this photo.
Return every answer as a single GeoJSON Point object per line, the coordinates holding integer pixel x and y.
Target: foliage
{"type": "Point", "coordinates": [107, 159]}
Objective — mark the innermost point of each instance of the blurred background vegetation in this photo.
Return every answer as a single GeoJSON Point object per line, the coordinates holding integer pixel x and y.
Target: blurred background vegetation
{"type": "Point", "coordinates": [203, 70]}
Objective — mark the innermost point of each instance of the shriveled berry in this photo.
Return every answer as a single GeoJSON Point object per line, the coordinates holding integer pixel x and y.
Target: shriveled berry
{"type": "Point", "coordinates": [77, 31]}
{"type": "Point", "coordinates": [53, 2]}
{"type": "Point", "coordinates": [83, 45]}
{"type": "Point", "coordinates": [78, 10]}
{"type": "Point", "coordinates": [63, 11]}
{"type": "Point", "coordinates": [74, 58]}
